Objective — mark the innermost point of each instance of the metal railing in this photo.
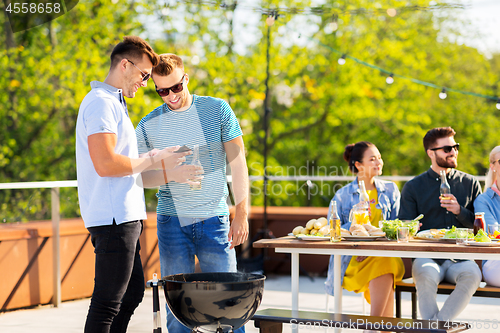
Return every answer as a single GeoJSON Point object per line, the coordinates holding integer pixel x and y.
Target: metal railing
{"type": "Point", "coordinates": [55, 209]}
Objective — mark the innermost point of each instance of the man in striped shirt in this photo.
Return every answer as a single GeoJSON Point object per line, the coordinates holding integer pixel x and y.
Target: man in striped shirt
{"type": "Point", "coordinates": [196, 222]}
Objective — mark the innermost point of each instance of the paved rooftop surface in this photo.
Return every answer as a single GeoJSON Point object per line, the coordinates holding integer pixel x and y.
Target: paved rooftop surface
{"type": "Point", "coordinates": [70, 316]}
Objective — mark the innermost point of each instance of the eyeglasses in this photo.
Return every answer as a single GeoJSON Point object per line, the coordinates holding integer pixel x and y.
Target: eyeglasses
{"type": "Point", "coordinates": [145, 76]}
{"type": "Point", "coordinates": [447, 149]}
{"type": "Point", "coordinates": [163, 92]}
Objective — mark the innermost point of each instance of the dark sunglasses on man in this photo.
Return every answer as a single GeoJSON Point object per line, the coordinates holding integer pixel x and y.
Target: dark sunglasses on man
{"type": "Point", "coordinates": [177, 88]}
{"type": "Point", "coordinates": [447, 149]}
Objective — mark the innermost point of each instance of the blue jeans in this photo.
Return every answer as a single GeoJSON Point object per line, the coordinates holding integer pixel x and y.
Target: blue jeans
{"type": "Point", "coordinates": [178, 245]}
{"type": "Point", "coordinates": [119, 278]}
{"type": "Point", "coordinates": [427, 274]}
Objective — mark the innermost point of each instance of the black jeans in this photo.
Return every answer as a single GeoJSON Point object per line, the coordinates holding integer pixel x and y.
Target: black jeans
{"type": "Point", "coordinates": [119, 278]}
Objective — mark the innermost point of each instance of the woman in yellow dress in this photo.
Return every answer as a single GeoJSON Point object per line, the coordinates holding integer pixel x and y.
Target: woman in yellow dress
{"type": "Point", "coordinates": [374, 276]}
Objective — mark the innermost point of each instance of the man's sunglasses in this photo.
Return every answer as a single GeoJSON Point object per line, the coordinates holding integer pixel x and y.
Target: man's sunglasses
{"type": "Point", "coordinates": [163, 92]}
{"type": "Point", "coordinates": [145, 76]}
{"type": "Point", "coordinates": [447, 149]}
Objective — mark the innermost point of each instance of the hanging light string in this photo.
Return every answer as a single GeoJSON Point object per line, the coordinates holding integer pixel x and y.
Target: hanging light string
{"type": "Point", "coordinates": [391, 74]}
{"type": "Point", "coordinates": [272, 13]}
{"type": "Point", "coordinates": [318, 10]}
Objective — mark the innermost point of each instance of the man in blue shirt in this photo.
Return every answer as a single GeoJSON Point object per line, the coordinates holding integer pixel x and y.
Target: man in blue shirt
{"type": "Point", "coordinates": [110, 189]}
{"type": "Point", "coordinates": [195, 222]}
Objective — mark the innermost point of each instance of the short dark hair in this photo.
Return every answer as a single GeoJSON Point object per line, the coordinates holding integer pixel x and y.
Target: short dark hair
{"type": "Point", "coordinates": [133, 47]}
{"type": "Point", "coordinates": [167, 63]}
{"type": "Point", "coordinates": [354, 153]}
{"type": "Point", "coordinates": [434, 134]}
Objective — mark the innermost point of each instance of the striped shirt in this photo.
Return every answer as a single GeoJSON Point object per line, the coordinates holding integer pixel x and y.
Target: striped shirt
{"type": "Point", "coordinates": [209, 122]}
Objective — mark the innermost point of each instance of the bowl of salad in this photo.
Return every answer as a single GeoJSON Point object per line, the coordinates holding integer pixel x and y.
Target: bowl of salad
{"type": "Point", "coordinates": [390, 227]}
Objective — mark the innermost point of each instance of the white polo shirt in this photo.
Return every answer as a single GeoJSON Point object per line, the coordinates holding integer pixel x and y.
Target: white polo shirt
{"type": "Point", "coordinates": [103, 199]}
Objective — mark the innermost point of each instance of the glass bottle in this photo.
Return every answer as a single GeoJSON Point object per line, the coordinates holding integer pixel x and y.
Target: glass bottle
{"type": "Point", "coordinates": [479, 222]}
{"type": "Point", "coordinates": [196, 161]}
{"type": "Point", "coordinates": [444, 189]}
{"type": "Point", "coordinates": [334, 223]}
{"type": "Point", "coordinates": [364, 198]}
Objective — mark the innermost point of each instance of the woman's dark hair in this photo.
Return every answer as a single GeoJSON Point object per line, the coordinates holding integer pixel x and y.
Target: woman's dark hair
{"type": "Point", "coordinates": [354, 153]}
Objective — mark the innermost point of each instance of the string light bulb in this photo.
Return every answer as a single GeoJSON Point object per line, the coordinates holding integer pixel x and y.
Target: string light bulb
{"type": "Point", "coordinates": [270, 20]}
{"type": "Point", "coordinates": [443, 94]}
{"type": "Point", "coordinates": [341, 60]}
{"type": "Point", "coordinates": [390, 79]}
{"type": "Point", "coordinates": [498, 104]}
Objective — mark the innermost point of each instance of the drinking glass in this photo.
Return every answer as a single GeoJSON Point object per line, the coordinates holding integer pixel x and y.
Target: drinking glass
{"type": "Point", "coordinates": [462, 234]}
{"type": "Point", "coordinates": [492, 228]}
{"type": "Point", "coordinates": [403, 234]}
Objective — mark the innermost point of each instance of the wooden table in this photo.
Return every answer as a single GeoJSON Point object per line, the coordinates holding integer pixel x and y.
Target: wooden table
{"type": "Point", "coordinates": [377, 248]}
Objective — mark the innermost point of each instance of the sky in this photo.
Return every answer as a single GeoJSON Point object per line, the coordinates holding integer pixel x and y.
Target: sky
{"type": "Point", "coordinates": [484, 16]}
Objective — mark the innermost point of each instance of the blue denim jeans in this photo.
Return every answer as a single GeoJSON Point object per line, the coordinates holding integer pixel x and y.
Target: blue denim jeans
{"type": "Point", "coordinates": [119, 278]}
{"type": "Point", "coordinates": [427, 274]}
{"type": "Point", "coordinates": [178, 245]}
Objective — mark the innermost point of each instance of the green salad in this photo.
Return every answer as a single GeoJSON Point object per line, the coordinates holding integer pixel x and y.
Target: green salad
{"type": "Point", "coordinates": [390, 227]}
{"type": "Point", "coordinates": [482, 237]}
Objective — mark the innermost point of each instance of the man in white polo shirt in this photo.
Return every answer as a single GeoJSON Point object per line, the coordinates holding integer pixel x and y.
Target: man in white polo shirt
{"type": "Point", "coordinates": [110, 189]}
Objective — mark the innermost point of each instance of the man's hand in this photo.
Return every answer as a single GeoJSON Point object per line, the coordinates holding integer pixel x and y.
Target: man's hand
{"type": "Point", "coordinates": [450, 203]}
{"type": "Point", "coordinates": [238, 232]}
{"type": "Point", "coordinates": [190, 174]}
{"type": "Point", "coordinates": [169, 158]}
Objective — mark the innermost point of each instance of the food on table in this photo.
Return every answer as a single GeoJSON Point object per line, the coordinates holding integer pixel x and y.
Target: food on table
{"type": "Point", "coordinates": [314, 227]}
{"type": "Point", "coordinates": [496, 234]}
{"type": "Point", "coordinates": [320, 223]}
{"type": "Point", "coordinates": [319, 228]}
{"type": "Point", "coordinates": [390, 227]}
{"type": "Point", "coordinates": [358, 230]}
{"type": "Point", "coordinates": [345, 232]}
{"type": "Point", "coordinates": [451, 233]}
{"type": "Point", "coordinates": [298, 230]}
{"type": "Point", "coordinates": [323, 231]}
{"type": "Point", "coordinates": [374, 231]}
{"type": "Point", "coordinates": [310, 224]}
{"type": "Point", "coordinates": [482, 237]}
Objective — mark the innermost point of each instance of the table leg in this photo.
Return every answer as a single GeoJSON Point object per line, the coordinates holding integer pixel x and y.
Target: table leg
{"type": "Point", "coordinates": [337, 287]}
{"type": "Point", "coordinates": [295, 286]}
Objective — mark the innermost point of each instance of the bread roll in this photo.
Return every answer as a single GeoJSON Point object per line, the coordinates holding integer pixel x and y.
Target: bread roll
{"type": "Point", "coordinates": [370, 227]}
{"type": "Point", "coordinates": [297, 230]}
{"type": "Point", "coordinates": [324, 231]}
{"type": "Point", "coordinates": [320, 223]}
{"type": "Point", "coordinates": [377, 233]}
{"type": "Point", "coordinates": [344, 232]}
{"type": "Point", "coordinates": [310, 224]}
{"type": "Point", "coordinates": [313, 232]}
{"type": "Point", "coordinates": [358, 230]}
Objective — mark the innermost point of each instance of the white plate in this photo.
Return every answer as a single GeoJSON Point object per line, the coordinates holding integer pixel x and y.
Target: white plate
{"type": "Point", "coordinates": [313, 238]}
{"type": "Point", "coordinates": [426, 234]}
{"type": "Point", "coordinates": [362, 238]}
{"type": "Point", "coordinates": [308, 237]}
{"type": "Point", "coordinates": [473, 243]}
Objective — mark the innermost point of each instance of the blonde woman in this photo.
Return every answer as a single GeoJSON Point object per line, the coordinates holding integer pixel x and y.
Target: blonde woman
{"type": "Point", "coordinates": [489, 203]}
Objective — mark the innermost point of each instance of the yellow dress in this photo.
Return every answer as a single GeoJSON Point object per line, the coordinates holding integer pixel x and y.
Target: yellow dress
{"type": "Point", "coordinates": [359, 274]}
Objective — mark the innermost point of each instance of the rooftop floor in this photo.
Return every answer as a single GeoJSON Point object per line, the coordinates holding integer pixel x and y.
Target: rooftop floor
{"type": "Point", "coordinates": [70, 316]}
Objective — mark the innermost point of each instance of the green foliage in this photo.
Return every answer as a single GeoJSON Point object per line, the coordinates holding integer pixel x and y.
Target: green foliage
{"type": "Point", "coordinates": [317, 105]}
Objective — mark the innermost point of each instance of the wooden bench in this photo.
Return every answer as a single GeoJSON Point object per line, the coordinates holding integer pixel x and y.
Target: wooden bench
{"type": "Point", "coordinates": [443, 288]}
{"type": "Point", "coordinates": [271, 321]}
